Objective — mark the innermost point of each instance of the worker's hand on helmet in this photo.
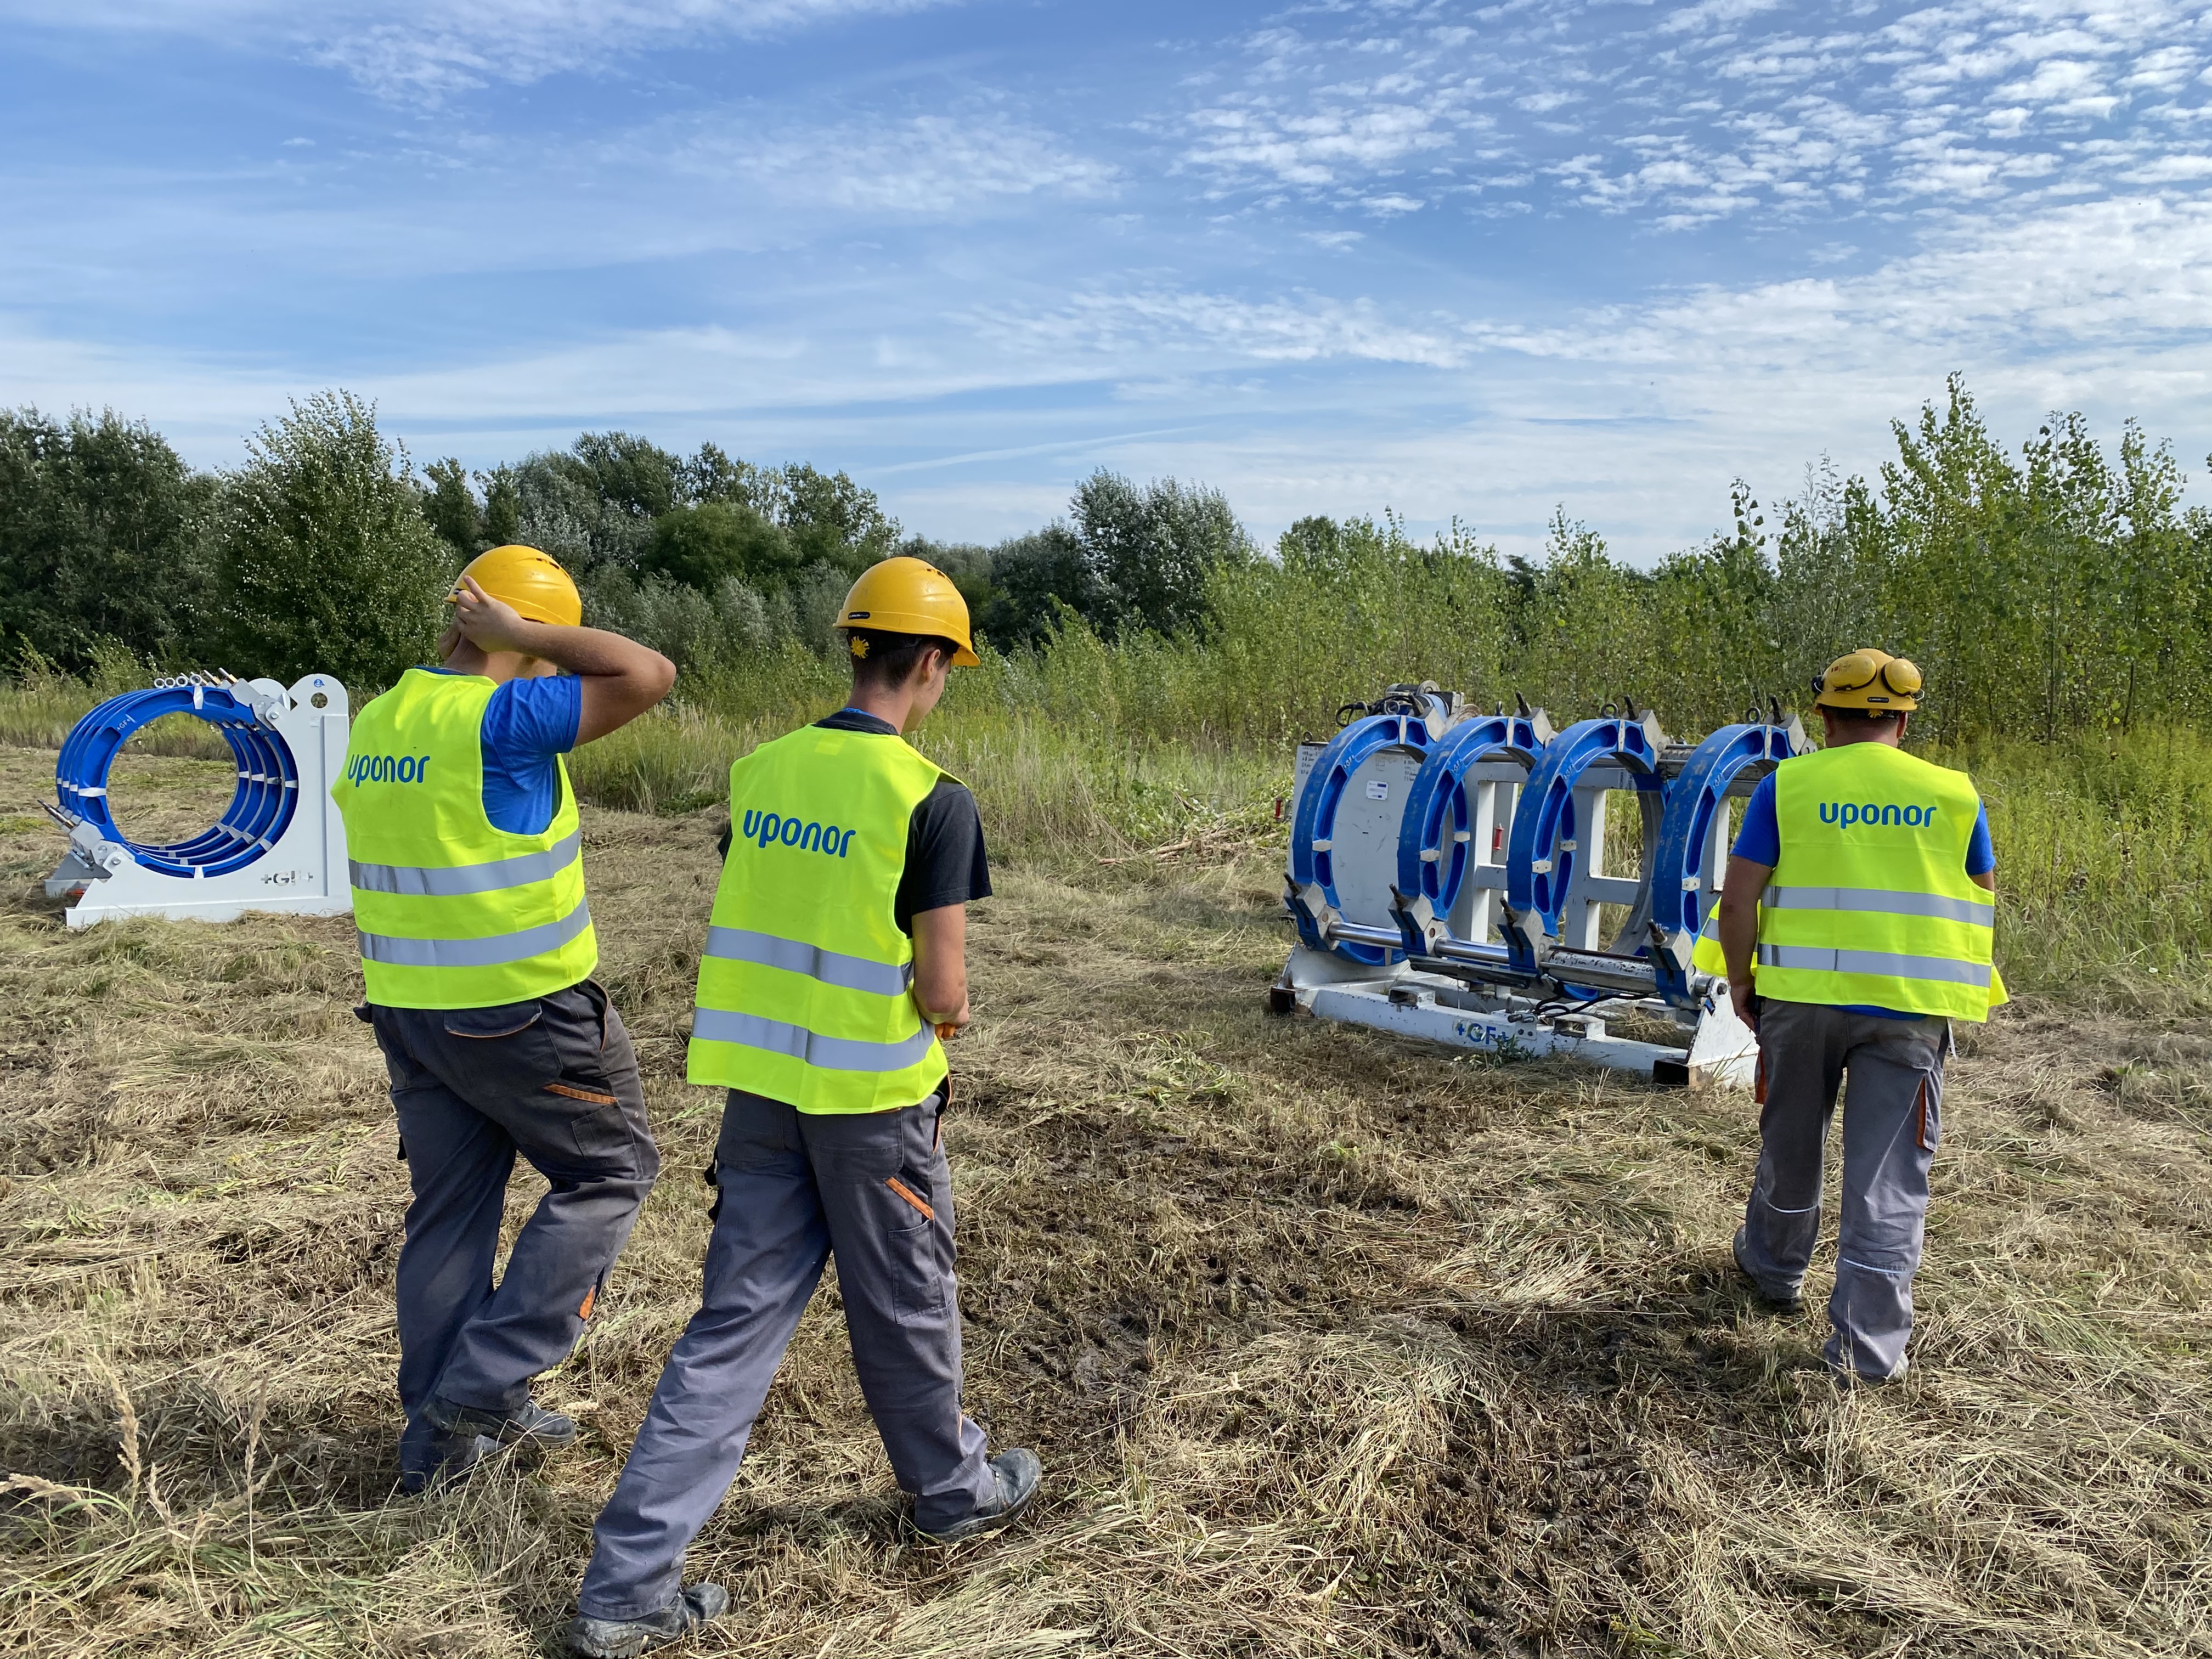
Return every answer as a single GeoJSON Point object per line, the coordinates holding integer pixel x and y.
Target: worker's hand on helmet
{"type": "Point", "coordinates": [949, 1029]}
{"type": "Point", "coordinates": [488, 623]}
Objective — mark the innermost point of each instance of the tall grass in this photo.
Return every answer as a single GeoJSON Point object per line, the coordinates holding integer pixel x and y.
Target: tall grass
{"type": "Point", "coordinates": [2104, 861]}
{"type": "Point", "coordinates": [1052, 790]}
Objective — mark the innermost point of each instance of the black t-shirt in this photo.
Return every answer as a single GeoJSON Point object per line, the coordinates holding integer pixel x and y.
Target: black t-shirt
{"type": "Point", "coordinates": [945, 863]}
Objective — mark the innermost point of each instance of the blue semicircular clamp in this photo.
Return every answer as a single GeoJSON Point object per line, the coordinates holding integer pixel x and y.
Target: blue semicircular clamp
{"type": "Point", "coordinates": [1433, 855]}
{"type": "Point", "coordinates": [1679, 892]}
{"type": "Point", "coordinates": [1546, 818]}
{"type": "Point", "coordinates": [261, 804]}
{"type": "Point", "coordinates": [1315, 819]}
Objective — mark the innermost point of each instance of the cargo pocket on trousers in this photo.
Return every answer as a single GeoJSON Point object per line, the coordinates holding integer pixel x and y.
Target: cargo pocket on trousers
{"type": "Point", "coordinates": [910, 1244]}
{"type": "Point", "coordinates": [501, 1049]}
{"type": "Point", "coordinates": [1928, 1113]}
{"type": "Point", "coordinates": [597, 1125]}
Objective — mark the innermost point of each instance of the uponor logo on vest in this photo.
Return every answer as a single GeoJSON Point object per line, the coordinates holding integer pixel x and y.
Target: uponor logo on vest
{"type": "Point", "coordinates": [769, 830]}
{"type": "Point", "coordinates": [387, 769]}
{"type": "Point", "coordinates": [1847, 813]}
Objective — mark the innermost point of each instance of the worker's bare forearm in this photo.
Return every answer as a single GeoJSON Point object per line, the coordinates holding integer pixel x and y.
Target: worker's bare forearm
{"type": "Point", "coordinates": [591, 652]}
{"type": "Point", "coordinates": [940, 965]}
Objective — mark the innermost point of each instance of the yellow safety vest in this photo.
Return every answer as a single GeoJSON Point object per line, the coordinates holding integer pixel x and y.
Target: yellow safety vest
{"type": "Point", "coordinates": [452, 911]}
{"type": "Point", "coordinates": [804, 987]}
{"type": "Point", "coordinates": [1871, 905]}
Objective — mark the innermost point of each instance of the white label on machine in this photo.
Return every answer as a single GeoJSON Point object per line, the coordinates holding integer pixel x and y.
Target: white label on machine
{"type": "Point", "coordinates": [1377, 789]}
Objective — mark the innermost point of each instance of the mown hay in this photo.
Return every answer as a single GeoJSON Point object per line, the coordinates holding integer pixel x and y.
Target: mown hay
{"type": "Point", "coordinates": [1329, 1343]}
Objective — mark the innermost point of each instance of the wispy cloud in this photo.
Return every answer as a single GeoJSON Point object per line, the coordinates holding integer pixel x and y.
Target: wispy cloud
{"type": "Point", "coordinates": [924, 166]}
{"type": "Point", "coordinates": [413, 50]}
{"type": "Point", "coordinates": [1724, 109]}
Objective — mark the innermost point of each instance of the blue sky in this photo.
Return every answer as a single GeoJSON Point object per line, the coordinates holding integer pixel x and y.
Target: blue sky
{"type": "Point", "coordinates": [1468, 260]}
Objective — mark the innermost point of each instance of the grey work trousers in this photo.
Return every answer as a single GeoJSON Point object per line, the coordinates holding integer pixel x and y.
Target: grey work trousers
{"type": "Point", "coordinates": [796, 1187]}
{"type": "Point", "coordinates": [553, 1079]}
{"type": "Point", "coordinates": [1893, 1118]}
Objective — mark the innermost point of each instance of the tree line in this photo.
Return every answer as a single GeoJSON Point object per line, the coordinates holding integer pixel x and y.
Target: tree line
{"type": "Point", "coordinates": [2060, 586]}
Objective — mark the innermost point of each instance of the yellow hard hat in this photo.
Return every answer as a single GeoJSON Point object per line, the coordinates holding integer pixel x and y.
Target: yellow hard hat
{"type": "Point", "coordinates": [1872, 680]}
{"type": "Point", "coordinates": [907, 596]}
{"type": "Point", "coordinates": [531, 582]}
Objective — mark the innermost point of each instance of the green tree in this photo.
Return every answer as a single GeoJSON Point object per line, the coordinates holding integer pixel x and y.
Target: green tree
{"type": "Point", "coordinates": [1033, 578]}
{"type": "Point", "coordinates": [1150, 551]}
{"type": "Point", "coordinates": [633, 475]}
{"type": "Point", "coordinates": [325, 561]}
{"type": "Point", "coordinates": [833, 521]}
{"type": "Point", "coordinates": [1584, 627]}
{"type": "Point", "coordinates": [717, 541]}
{"type": "Point", "coordinates": [101, 537]}
{"type": "Point", "coordinates": [502, 514]}
{"type": "Point", "coordinates": [451, 507]}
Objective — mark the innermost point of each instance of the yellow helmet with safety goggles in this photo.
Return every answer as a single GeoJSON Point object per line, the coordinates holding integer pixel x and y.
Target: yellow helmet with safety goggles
{"type": "Point", "coordinates": [1871, 681]}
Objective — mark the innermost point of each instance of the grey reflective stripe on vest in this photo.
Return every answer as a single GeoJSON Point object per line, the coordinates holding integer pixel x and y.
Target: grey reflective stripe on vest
{"type": "Point", "coordinates": [488, 952]}
{"type": "Point", "coordinates": [831, 966]}
{"type": "Point", "coordinates": [454, 881]}
{"type": "Point", "coordinates": [1979, 913]}
{"type": "Point", "coordinates": [1890, 965]}
{"type": "Point", "coordinates": [830, 1054]}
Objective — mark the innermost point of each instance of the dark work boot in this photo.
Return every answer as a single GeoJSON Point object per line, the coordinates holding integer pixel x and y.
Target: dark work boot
{"type": "Point", "coordinates": [451, 1459]}
{"type": "Point", "coordinates": [1793, 1303]}
{"type": "Point", "coordinates": [528, 1421]}
{"type": "Point", "coordinates": [1019, 1476]}
{"type": "Point", "coordinates": [624, 1638]}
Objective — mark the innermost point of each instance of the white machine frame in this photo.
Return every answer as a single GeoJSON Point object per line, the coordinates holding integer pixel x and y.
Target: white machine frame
{"type": "Point", "coordinates": [304, 873]}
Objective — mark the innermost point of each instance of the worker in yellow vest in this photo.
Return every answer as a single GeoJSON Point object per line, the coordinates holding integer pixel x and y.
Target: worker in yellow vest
{"type": "Point", "coordinates": [477, 952]}
{"type": "Point", "coordinates": [1855, 925]}
{"type": "Point", "coordinates": [835, 964]}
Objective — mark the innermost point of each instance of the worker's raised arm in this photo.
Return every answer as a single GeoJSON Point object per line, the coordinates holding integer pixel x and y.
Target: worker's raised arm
{"type": "Point", "coordinates": [940, 966]}
{"type": "Point", "coordinates": [621, 678]}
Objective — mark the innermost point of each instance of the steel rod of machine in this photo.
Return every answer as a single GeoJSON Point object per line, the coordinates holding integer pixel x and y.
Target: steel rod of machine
{"type": "Point", "coordinates": [1574, 967]}
{"type": "Point", "coordinates": [1602, 968]}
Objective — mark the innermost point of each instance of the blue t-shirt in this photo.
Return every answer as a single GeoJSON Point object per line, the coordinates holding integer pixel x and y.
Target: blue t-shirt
{"type": "Point", "coordinates": [527, 727]}
{"type": "Point", "coordinates": [1759, 840]}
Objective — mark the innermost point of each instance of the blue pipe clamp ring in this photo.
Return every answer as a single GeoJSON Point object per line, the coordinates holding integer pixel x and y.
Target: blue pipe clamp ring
{"type": "Point", "coordinates": [1698, 793]}
{"type": "Point", "coordinates": [260, 807]}
{"type": "Point", "coordinates": [1433, 853]}
{"type": "Point", "coordinates": [1544, 820]}
{"type": "Point", "coordinates": [1316, 820]}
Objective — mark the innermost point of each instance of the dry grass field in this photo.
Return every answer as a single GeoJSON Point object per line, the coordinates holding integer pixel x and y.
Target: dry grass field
{"type": "Point", "coordinates": [1328, 1343]}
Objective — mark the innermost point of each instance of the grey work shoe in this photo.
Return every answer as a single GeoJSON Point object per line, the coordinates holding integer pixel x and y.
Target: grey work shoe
{"type": "Point", "coordinates": [624, 1638]}
{"type": "Point", "coordinates": [529, 1421]}
{"type": "Point", "coordinates": [1019, 1476]}
{"type": "Point", "coordinates": [1793, 1303]}
{"type": "Point", "coordinates": [451, 1459]}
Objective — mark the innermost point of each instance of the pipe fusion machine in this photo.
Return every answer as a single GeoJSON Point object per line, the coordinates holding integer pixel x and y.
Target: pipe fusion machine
{"type": "Point", "coordinates": [1447, 877]}
{"type": "Point", "coordinates": [280, 845]}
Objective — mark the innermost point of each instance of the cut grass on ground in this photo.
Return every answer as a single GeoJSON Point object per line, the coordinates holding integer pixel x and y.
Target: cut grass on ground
{"type": "Point", "coordinates": [1329, 1343]}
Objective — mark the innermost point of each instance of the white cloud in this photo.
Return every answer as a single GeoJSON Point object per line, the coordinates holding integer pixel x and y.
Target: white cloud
{"type": "Point", "coordinates": [1161, 325]}
{"type": "Point", "coordinates": [928, 165]}
{"type": "Point", "coordinates": [1699, 18]}
{"type": "Point", "coordinates": [1317, 148]}
{"type": "Point", "coordinates": [1724, 109]}
{"type": "Point", "coordinates": [432, 49]}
